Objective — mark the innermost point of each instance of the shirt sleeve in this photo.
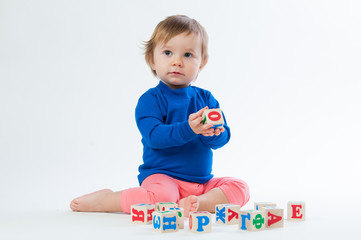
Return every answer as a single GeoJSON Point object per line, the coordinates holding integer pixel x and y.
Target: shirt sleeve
{"type": "Point", "coordinates": [215, 142]}
{"type": "Point", "coordinates": [154, 131]}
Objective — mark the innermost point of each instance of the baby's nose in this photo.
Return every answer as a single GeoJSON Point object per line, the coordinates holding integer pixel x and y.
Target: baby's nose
{"type": "Point", "coordinates": [177, 61]}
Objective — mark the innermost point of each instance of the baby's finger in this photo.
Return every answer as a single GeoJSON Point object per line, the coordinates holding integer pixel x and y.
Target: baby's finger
{"type": "Point", "coordinates": [193, 116]}
{"type": "Point", "coordinates": [207, 126]}
{"type": "Point", "coordinates": [208, 134]}
{"type": "Point", "coordinates": [209, 131]}
{"type": "Point", "coordinates": [200, 112]}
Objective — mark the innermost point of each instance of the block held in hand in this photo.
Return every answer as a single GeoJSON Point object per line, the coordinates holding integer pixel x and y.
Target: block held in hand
{"type": "Point", "coordinates": [213, 116]}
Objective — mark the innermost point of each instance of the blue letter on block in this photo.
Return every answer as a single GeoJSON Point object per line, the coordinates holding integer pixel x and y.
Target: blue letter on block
{"type": "Point", "coordinates": [202, 221]}
{"type": "Point", "coordinates": [156, 222]}
{"type": "Point", "coordinates": [221, 214]}
{"type": "Point", "coordinates": [169, 223]}
{"type": "Point", "coordinates": [244, 217]}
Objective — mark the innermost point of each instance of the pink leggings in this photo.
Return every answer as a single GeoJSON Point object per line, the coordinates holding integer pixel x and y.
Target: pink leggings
{"type": "Point", "coordinates": [162, 188]}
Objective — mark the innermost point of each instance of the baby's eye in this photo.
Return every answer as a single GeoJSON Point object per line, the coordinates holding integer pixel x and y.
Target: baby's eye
{"type": "Point", "coordinates": [167, 53]}
{"type": "Point", "coordinates": [188, 55]}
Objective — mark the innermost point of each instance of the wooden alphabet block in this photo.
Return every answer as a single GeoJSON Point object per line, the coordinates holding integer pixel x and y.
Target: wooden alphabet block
{"type": "Point", "coordinates": [258, 205]}
{"type": "Point", "coordinates": [227, 214]}
{"type": "Point", "coordinates": [252, 220]}
{"type": "Point", "coordinates": [180, 216]}
{"type": "Point", "coordinates": [200, 222]}
{"type": "Point", "coordinates": [162, 206]}
{"type": "Point", "coordinates": [274, 217]}
{"type": "Point", "coordinates": [142, 213]}
{"type": "Point", "coordinates": [214, 116]}
{"type": "Point", "coordinates": [165, 221]}
{"type": "Point", "coordinates": [296, 211]}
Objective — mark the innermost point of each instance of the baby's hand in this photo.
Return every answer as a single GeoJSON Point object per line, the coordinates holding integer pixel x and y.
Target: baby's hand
{"type": "Point", "coordinates": [218, 131]}
{"type": "Point", "coordinates": [195, 122]}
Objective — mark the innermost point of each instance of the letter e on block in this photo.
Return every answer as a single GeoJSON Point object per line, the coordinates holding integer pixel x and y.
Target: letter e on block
{"type": "Point", "coordinates": [296, 211]}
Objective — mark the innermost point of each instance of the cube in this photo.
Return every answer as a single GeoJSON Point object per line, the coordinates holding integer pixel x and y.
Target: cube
{"type": "Point", "coordinates": [258, 205]}
{"type": "Point", "coordinates": [180, 216]}
{"type": "Point", "coordinates": [296, 211]}
{"type": "Point", "coordinates": [252, 220]}
{"type": "Point", "coordinates": [227, 214]}
{"type": "Point", "coordinates": [161, 206]}
{"type": "Point", "coordinates": [165, 221]}
{"type": "Point", "coordinates": [214, 116]}
{"type": "Point", "coordinates": [142, 213]}
{"type": "Point", "coordinates": [200, 222]}
{"type": "Point", "coordinates": [274, 217]}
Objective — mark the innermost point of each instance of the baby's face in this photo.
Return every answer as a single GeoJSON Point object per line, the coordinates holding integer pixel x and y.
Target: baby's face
{"type": "Point", "coordinates": [178, 62]}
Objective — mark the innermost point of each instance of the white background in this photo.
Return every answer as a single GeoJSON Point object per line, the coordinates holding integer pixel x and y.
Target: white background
{"type": "Point", "coordinates": [286, 72]}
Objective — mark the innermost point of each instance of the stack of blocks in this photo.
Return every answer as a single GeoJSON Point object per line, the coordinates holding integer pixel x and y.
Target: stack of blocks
{"type": "Point", "coordinates": [167, 217]}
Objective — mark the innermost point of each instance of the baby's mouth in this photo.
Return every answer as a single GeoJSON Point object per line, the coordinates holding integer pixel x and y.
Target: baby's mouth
{"type": "Point", "coordinates": [176, 73]}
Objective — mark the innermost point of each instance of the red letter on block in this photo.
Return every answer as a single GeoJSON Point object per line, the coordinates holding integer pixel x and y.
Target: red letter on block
{"type": "Point", "coordinates": [274, 219]}
{"type": "Point", "coordinates": [232, 215]}
{"type": "Point", "coordinates": [138, 215]}
{"type": "Point", "coordinates": [214, 116]}
{"type": "Point", "coordinates": [150, 217]}
{"type": "Point", "coordinates": [296, 211]}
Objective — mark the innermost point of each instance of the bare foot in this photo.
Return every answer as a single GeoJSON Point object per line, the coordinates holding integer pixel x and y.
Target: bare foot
{"type": "Point", "coordinates": [189, 204]}
{"type": "Point", "coordinates": [101, 201]}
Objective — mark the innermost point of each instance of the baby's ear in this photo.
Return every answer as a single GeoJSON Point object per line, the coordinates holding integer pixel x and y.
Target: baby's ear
{"type": "Point", "coordinates": [151, 64]}
{"type": "Point", "coordinates": [203, 64]}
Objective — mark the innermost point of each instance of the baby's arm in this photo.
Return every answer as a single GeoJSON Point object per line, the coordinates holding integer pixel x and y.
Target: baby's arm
{"type": "Point", "coordinates": [157, 134]}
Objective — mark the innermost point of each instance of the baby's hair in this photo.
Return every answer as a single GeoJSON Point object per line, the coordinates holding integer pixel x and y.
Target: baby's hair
{"type": "Point", "coordinates": [171, 27]}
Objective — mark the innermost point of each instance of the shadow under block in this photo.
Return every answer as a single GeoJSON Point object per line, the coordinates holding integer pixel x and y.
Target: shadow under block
{"type": "Point", "coordinates": [274, 217]}
{"type": "Point", "coordinates": [213, 116]}
{"type": "Point", "coordinates": [180, 216]}
{"type": "Point", "coordinates": [142, 213]}
{"type": "Point", "coordinates": [296, 211]}
{"type": "Point", "coordinates": [200, 222]}
{"type": "Point", "coordinates": [259, 205]}
{"type": "Point", "coordinates": [227, 214]}
{"type": "Point", "coordinates": [162, 206]}
{"type": "Point", "coordinates": [165, 221]}
{"type": "Point", "coordinates": [252, 220]}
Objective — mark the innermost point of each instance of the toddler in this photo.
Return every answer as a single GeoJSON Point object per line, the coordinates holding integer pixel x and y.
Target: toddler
{"type": "Point", "coordinates": [177, 147]}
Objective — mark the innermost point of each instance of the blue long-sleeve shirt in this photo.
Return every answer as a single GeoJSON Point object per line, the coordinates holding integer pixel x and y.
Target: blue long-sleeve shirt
{"type": "Point", "coordinates": [169, 144]}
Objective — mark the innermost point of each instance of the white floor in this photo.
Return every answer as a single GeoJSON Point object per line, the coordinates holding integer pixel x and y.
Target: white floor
{"type": "Point", "coordinates": [70, 225]}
